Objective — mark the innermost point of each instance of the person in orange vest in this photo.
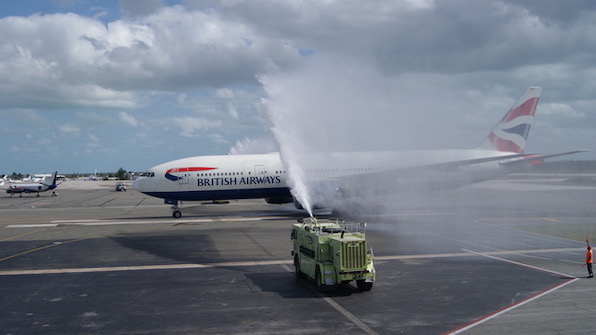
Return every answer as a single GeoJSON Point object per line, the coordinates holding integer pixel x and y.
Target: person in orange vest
{"type": "Point", "coordinates": [589, 257]}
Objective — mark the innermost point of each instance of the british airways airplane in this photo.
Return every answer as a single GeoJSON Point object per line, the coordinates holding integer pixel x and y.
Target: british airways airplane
{"type": "Point", "coordinates": [342, 174]}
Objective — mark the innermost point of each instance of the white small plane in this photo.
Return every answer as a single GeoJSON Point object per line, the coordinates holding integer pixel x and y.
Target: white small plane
{"type": "Point", "coordinates": [345, 174]}
{"type": "Point", "coordinates": [34, 188]}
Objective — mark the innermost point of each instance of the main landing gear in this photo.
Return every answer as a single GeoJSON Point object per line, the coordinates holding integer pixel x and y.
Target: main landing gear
{"type": "Point", "coordinates": [176, 207]}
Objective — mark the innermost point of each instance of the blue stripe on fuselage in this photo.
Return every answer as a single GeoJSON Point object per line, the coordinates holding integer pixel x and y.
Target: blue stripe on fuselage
{"type": "Point", "coordinates": [253, 193]}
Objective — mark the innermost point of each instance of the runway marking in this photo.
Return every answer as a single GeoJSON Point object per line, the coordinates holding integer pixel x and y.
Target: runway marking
{"type": "Point", "coordinates": [471, 253]}
{"type": "Point", "coordinates": [421, 212]}
{"type": "Point", "coordinates": [349, 315]}
{"type": "Point", "coordinates": [41, 248]}
{"type": "Point", "coordinates": [269, 262]}
{"type": "Point", "coordinates": [512, 307]}
{"type": "Point", "coordinates": [540, 218]}
{"type": "Point", "coordinates": [141, 267]}
{"type": "Point", "coordinates": [21, 235]}
{"type": "Point", "coordinates": [38, 225]}
{"type": "Point", "coordinates": [99, 222]}
{"type": "Point", "coordinates": [491, 316]}
{"type": "Point", "coordinates": [489, 255]}
{"type": "Point", "coordinates": [337, 307]}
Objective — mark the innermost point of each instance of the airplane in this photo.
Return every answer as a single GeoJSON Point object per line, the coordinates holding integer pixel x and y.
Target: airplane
{"type": "Point", "coordinates": [347, 174]}
{"type": "Point", "coordinates": [34, 188]}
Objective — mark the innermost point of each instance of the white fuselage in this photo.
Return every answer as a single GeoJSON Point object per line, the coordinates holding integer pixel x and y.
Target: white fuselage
{"type": "Point", "coordinates": [265, 175]}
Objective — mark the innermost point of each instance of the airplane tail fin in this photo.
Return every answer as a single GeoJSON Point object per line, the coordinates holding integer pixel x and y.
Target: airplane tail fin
{"type": "Point", "coordinates": [510, 134]}
{"type": "Point", "coordinates": [52, 182]}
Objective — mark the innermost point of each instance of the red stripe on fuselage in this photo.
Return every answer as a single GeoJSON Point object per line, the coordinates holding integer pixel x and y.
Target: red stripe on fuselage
{"type": "Point", "coordinates": [190, 169]}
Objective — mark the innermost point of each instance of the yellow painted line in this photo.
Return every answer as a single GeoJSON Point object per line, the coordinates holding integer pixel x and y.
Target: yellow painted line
{"type": "Point", "coordinates": [40, 248]}
{"type": "Point", "coordinates": [21, 235]}
{"type": "Point", "coordinates": [550, 219]}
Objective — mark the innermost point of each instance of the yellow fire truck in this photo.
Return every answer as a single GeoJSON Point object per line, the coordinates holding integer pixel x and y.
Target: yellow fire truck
{"type": "Point", "coordinates": [333, 252]}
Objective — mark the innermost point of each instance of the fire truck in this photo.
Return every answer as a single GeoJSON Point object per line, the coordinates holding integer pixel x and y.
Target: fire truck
{"type": "Point", "coordinates": [333, 252]}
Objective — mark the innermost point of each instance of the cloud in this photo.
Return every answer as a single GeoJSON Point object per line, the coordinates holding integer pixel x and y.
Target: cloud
{"type": "Point", "coordinates": [438, 68]}
{"type": "Point", "coordinates": [196, 126]}
{"type": "Point", "coordinates": [128, 119]}
{"type": "Point", "coordinates": [70, 60]}
{"type": "Point", "coordinates": [69, 130]}
{"type": "Point", "coordinates": [225, 93]}
{"type": "Point", "coordinates": [559, 109]}
{"type": "Point", "coordinates": [261, 145]}
{"type": "Point", "coordinates": [27, 115]}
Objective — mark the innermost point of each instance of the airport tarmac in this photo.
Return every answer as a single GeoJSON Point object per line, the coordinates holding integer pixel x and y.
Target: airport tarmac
{"type": "Point", "coordinates": [498, 257]}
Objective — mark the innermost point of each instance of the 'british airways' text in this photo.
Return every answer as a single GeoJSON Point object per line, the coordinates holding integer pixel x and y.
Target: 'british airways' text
{"type": "Point", "coordinates": [229, 181]}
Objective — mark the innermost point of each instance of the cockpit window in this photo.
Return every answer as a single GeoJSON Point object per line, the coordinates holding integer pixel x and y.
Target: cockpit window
{"type": "Point", "coordinates": [148, 174]}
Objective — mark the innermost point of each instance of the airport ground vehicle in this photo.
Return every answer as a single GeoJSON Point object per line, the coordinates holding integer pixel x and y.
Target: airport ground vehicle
{"type": "Point", "coordinates": [333, 252]}
{"type": "Point", "coordinates": [120, 186]}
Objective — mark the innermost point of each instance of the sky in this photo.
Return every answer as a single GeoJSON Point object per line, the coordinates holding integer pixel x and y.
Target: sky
{"type": "Point", "coordinates": [88, 85]}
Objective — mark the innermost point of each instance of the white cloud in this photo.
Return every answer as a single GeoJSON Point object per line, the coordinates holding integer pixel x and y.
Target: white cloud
{"type": "Point", "coordinates": [128, 119]}
{"type": "Point", "coordinates": [66, 59]}
{"type": "Point", "coordinates": [559, 109]}
{"type": "Point", "coordinates": [69, 130]}
{"type": "Point", "coordinates": [233, 112]}
{"type": "Point", "coordinates": [196, 126]}
{"type": "Point", "coordinates": [28, 115]}
{"type": "Point", "coordinates": [225, 93]}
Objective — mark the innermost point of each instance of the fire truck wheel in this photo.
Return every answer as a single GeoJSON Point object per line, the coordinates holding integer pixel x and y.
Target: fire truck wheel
{"type": "Point", "coordinates": [363, 285]}
{"type": "Point", "coordinates": [319, 280]}
{"type": "Point", "coordinates": [299, 273]}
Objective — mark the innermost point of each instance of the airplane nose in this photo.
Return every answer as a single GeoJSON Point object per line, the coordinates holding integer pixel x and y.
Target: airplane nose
{"type": "Point", "coordinates": [136, 184]}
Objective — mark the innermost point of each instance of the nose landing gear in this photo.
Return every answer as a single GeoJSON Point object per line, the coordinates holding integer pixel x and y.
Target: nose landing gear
{"type": "Point", "coordinates": [176, 207]}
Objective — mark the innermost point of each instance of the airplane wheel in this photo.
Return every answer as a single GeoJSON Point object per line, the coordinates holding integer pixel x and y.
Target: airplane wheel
{"type": "Point", "coordinates": [177, 214]}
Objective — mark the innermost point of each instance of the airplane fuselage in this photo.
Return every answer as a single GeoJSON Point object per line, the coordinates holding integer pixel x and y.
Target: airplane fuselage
{"type": "Point", "coordinates": [265, 176]}
{"type": "Point", "coordinates": [216, 178]}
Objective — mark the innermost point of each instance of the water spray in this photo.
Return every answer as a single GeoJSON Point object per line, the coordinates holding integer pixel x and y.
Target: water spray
{"type": "Point", "coordinates": [276, 113]}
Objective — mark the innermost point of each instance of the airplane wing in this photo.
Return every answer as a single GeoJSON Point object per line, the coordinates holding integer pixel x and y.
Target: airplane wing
{"type": "Point", "coordinates": [539, 159]}
{"type": "Point", "coordinates": [443, 166]}
{"type": "Point", "coordinates": [436, 176]}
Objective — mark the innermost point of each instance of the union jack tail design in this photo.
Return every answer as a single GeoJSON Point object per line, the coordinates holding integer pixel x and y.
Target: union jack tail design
{"type": "Point", "coordinates": [511, 133]}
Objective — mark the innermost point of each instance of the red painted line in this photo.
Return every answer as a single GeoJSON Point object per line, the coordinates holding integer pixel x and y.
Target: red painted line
{"type": "Point", "coordinates": [517, 304]}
